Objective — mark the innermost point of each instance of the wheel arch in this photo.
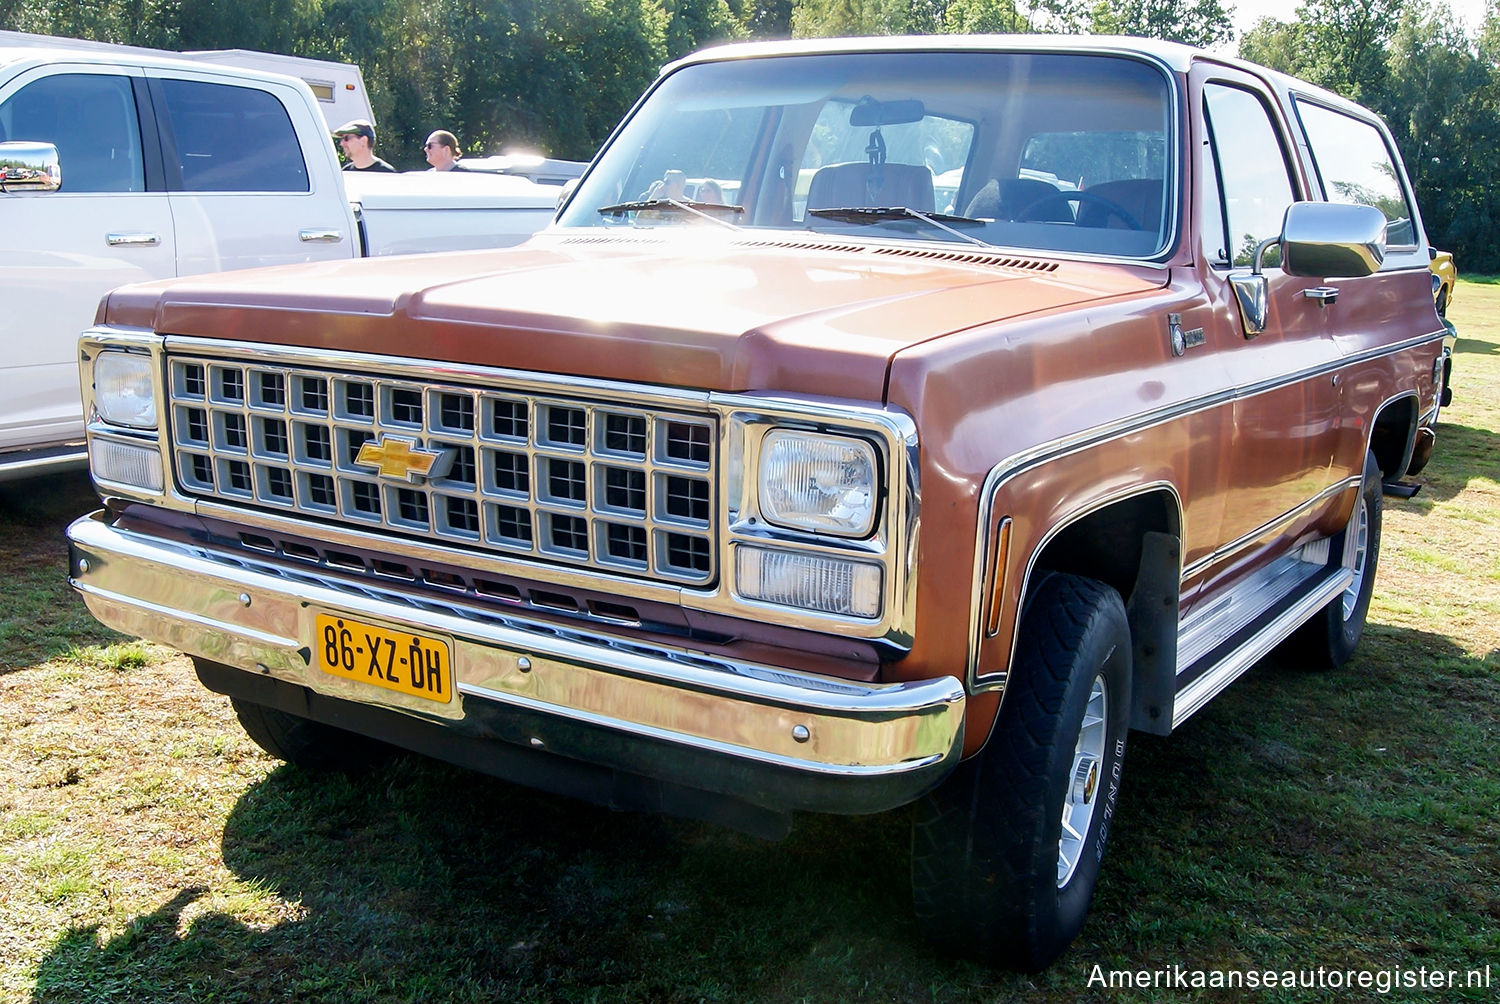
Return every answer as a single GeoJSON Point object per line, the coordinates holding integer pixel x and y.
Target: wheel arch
{"type": "Point", "coordinates": [1130, 541]}
{"type": "Point", "coordinates": [1393, 434]}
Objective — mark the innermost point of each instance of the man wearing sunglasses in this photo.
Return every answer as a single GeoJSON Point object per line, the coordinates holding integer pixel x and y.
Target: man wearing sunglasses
{"type": "Point", "coordinates": [443, 152]}
{"type": "Point", "coordinates": [357, 139]}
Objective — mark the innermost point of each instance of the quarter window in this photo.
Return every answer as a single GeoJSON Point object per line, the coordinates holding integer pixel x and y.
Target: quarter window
{"type": "Point", "coordinates": [91, 119]}
{"type": "Point", "coordinates": [1252, 170]}
{"type": "Point", "coordinates": [1356, 166]}
{"type": "Point", "coordinates": [232, 139]}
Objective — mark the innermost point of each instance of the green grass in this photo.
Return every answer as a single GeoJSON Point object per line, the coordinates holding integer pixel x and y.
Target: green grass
{"type": "Point", "coordinates": [1348, 820]}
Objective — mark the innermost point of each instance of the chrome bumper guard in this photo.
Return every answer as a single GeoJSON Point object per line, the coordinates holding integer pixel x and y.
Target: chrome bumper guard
{"type": "Point", "coordinates": [777, 738]}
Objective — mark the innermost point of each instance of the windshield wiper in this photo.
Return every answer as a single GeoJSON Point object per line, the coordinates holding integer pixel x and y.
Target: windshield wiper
{"type": "Point", "coordinates": [703, 209]}
{"type": "Point", "coordinates": [880, 214]}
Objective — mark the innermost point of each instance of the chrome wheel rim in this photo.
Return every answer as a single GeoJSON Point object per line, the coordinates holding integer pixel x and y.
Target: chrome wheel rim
{"type": "Point", "coordinates": [1355, 550]}
{"type": "Point", "coordinates": [1085, 780]}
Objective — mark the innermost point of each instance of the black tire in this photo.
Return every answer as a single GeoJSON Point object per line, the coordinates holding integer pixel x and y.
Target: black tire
{"type": "Point", "coordinates": [1330, 637]}
{"type": "Point", "coordinates": [987, 877]}
{"type": "Point", "coordinates": [307, 743]}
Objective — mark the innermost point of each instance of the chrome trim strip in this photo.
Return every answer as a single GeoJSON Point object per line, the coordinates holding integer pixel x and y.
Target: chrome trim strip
{"type": "Point", "coordinates": [256, 616]}
{"type": "Point", "coordinates": [1203, 689]}
{"type": "Point", "coordinates": [1343, 362]}
{"type": "Point", "coordinates": [1035, 456]}
{"type": "Point", "coordinates": [1248, 540]}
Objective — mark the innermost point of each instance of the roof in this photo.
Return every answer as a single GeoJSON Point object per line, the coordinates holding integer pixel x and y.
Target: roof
{"type": "Point", "coordinates": [1173, 54]}
{"type": "Point", "coordinates": [20, 48]}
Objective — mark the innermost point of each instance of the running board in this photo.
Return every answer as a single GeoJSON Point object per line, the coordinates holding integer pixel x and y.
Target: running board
{"type": "Point", "coordinates": [1246, 654]}
{"type": "Point", "coordinates": [1399, 489]}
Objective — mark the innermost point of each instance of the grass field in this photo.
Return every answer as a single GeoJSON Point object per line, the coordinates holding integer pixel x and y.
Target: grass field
{"type": "Point", "coordinates": [148, 852]}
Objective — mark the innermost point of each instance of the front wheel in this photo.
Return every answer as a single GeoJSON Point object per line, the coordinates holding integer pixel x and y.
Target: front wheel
{"type": "Point", "coordinates": [307, 743]}
{"type": "Point", "coordinates": [1006, 852]}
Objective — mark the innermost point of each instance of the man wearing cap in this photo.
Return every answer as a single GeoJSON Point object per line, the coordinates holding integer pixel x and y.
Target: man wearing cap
{"type": "Point", "coordinates": [357, 139]}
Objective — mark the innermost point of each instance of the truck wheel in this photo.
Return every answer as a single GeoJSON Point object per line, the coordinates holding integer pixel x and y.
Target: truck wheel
{"type": "Point", "coordinates": [1328, 640]}
{"type": "Point", "coordinates": [304, 742]}
{"type": "Point", "coordinates": [1006, 852]}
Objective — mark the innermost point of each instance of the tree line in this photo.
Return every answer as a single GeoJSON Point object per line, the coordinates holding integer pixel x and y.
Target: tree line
{"type": "Point", "coordinates": [556, 75]}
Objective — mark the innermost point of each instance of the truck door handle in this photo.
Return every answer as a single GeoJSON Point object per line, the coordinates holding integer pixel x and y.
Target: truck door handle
{"type": "Point", "coordinates": [312, 236]}
{"type": "Point", "coordinates": [132, 240]}
{"type": "Point", "coordinates": [1323, 295]}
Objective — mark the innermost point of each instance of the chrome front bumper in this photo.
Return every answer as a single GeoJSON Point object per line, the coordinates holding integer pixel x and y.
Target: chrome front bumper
{"type": "Point", "coordinates": [776, 738]}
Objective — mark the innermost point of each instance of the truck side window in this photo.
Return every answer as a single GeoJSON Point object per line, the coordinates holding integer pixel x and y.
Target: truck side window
{"type": "Point", "coordinates": [1252, 170]}
{"type": "Point", "coordinates": [232, 139]}
{"type": "Point", "coordinates": [91, 119]}
{"type": "Point", "coordinates": [1356, 166]}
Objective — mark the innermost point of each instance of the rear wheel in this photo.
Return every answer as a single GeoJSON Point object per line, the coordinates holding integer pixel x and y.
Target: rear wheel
{"type": "Point", "coordinates": [1006, 853]}
{"type": "Point", "coordinates": [1329, 639]}
{"type": "Point", "coordinates": [304, 742]}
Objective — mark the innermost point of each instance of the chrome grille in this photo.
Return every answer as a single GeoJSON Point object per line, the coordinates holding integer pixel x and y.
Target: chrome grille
{"type": "Point", "coordinates": [593, 483]}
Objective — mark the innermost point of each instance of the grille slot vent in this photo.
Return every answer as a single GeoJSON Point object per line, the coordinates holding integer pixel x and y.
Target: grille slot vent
{"type": "Point", "coordinates": [596, 484]}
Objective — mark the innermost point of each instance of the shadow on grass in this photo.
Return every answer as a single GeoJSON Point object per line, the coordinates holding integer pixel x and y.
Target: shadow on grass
{"type": "Point", "coordinates": [1300, 819]}
{"type": "Point", "coordinates": [1462, 455]}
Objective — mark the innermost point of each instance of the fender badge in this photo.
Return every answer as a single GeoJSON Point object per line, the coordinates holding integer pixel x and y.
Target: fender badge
{"type": "Point", "coordinates": [403, 458]}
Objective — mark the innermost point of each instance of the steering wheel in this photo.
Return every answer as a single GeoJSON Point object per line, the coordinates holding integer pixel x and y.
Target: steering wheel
{"type": "Point", "coordinates": [1082, 195]}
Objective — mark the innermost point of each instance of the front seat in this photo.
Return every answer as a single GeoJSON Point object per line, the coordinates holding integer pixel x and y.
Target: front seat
{"type": "Point", "coordinates": [1140, 197]}
{"type": "Point", "coordinates": [1008, 200]}
{"type": "Point", "coordinates": [862, 184]}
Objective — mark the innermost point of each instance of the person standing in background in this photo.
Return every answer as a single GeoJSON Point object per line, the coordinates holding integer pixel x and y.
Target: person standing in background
{"type": "Point", "coordinates": [443, 152]}
{"type": "Point", "coordinates": [357, 139]}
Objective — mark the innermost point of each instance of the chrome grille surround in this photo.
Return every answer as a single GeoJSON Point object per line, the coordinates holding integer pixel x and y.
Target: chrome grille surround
{"type": "Point", "coordinates": [596, 483]}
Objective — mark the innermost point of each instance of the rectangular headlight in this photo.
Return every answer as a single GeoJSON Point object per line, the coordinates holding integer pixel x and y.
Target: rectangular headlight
{"type": "Point", "coordinates": [825, 484]}
{"type": "Point", "coordinates": [124, 393]}
{"type": "Point", "coordinates": [809, 581]}
{"type": "Point", "coordinates": [125, 463]}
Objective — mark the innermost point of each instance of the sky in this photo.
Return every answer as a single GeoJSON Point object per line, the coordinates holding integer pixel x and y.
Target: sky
{"type": "Point", "coordinates": [1247, 12]}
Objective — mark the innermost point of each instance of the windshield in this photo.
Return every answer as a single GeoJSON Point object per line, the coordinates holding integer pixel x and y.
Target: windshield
{"type": "Point", "coordinates": [1042, 151]}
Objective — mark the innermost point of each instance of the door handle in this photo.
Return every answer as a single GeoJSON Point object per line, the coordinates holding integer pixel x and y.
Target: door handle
{"type": "Point", "coordinates": [1324, 296]}
{"type": "Point", "coordinates": [314, 236]}
{"type": "Point", "coordinates": [132, 240]}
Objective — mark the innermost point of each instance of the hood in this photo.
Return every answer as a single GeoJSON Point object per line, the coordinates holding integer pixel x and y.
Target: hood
{"type": "Point", "coordinates": [726, 312]}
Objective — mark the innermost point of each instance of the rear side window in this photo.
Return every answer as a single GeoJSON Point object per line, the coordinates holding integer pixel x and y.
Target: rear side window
{"type": "Point", "coordinates": [1252, 168]}
{"type": "Point", "coordinates": [232, 139]}
{"type": "Point", "coordinates": [91, 119]}
{"type": "Point", "coordinates": [1356, 166]}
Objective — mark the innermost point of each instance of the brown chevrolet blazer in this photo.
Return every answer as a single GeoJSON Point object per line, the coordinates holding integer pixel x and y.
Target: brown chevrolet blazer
{"type": "Point", "coordinates": [881, 421]}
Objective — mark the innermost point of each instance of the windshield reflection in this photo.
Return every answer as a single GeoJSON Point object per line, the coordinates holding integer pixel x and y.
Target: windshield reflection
{"type": "Point", "coordinates": [1067, 152]}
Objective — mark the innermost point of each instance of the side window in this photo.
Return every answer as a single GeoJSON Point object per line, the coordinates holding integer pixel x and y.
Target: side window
{"type": "Point", "coordinates": [1356, 166]}
{"type": "Point", "coordinates": [232, 139]}
{"type": "Point", "coordinates": [91, 119]}
{"type": "Point", "coordinates": [1252, 170]}
{"type": "Point", "coordinates": [1211, 212]}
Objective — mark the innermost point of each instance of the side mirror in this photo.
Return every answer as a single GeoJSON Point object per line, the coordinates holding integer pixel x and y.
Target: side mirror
{"type": "Point", "coordinates": [1332, 240]}
{"type": "Point", "coordinates": [1322, 240]}
{"type": "Point", "coordinates": [566, 192]}
{"type": "Point", "coordinates": [29, 167]}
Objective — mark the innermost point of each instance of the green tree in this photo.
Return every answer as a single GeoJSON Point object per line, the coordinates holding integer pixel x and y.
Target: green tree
{"type": "Point", "coordinates": [1338, 44]}
{"type": "Point", "coordinates": [1196, 22]}
{"type": "Point", "coordinates": [764, 18]}
{"type": "Point", "coordinates": [830, 18]}
{"type": "Point", "coordinates": [976, 17]}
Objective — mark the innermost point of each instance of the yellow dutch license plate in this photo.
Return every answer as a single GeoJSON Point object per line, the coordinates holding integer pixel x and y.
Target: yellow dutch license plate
{"type": "Point", "coordinates": [396, 660]}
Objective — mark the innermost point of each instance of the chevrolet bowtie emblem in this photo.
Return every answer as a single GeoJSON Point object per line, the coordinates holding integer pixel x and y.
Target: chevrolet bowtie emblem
{"type": "Point", "coordinates": [403, 458]}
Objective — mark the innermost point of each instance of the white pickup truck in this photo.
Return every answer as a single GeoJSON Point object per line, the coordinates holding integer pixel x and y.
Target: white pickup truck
{"type": "Point", "coordinates": [118, 166]}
